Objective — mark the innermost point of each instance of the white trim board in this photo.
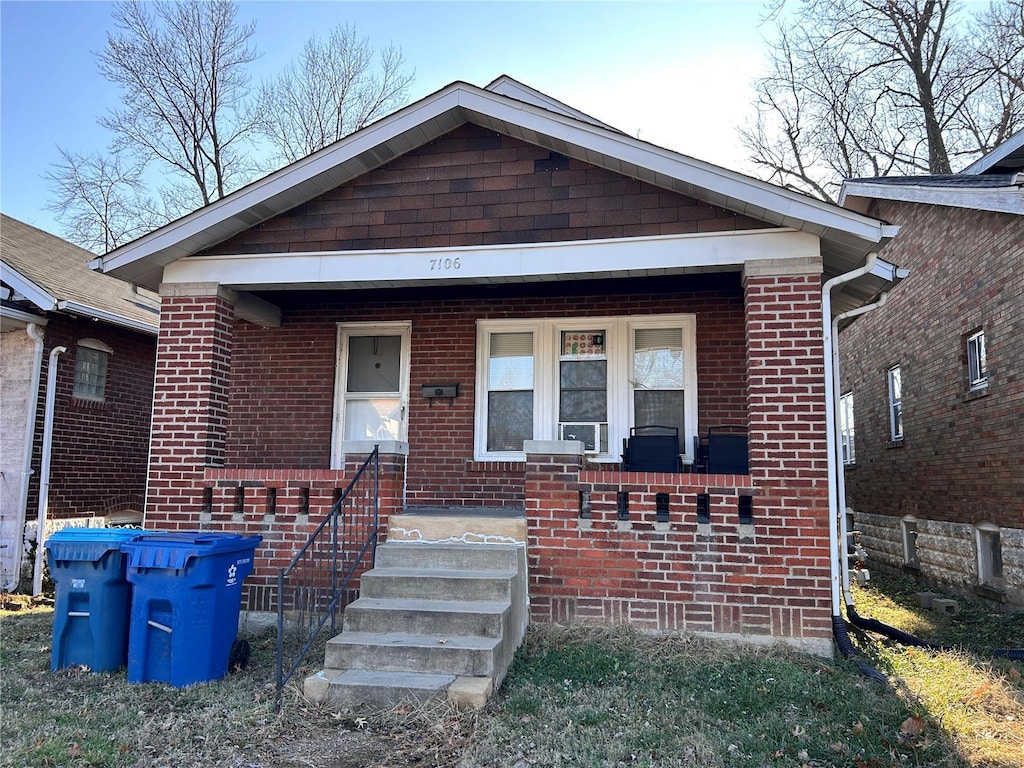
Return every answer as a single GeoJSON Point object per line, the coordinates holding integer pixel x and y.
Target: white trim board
{"type": "Point", "coordinates": [30, 290]}
{"type": "Point", "coordinates": [619, 257]}
{"type": "Point", "coordinates": [856, 196]}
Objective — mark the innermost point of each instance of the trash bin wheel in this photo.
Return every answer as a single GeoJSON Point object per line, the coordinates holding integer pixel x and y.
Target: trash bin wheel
{"type": "Point", "coordinates": [238, 659]}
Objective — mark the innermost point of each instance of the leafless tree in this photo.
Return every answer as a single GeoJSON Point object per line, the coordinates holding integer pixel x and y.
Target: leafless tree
{"type": "Point", "coordinates": [183, 70]}
{"type": "Point", "coordinates": [878, 87]}
{"type": "Point", "coordinates": [100, 200]}
{"type": "Point", "coordinates": [334, 88]}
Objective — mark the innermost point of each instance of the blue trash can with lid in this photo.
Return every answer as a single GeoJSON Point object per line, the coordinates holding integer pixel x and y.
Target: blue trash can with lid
{"type": "Point", "coordinates": [185, 605]}
{"type": "Point", "coordinates": [93, 597]}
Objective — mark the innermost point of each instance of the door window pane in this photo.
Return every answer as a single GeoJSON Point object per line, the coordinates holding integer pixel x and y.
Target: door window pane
{"type": "Point", "coordinates": [374, 363]}
{"type": "Point", "coordinates": [373, 419]}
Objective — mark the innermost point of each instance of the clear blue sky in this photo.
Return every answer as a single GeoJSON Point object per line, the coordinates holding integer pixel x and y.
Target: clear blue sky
{"type": "Point", "coordinates": [675, 73]}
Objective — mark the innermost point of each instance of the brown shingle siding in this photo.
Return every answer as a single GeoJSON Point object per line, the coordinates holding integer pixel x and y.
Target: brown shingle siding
{"type": "Point", "coordinates": [477, 182]}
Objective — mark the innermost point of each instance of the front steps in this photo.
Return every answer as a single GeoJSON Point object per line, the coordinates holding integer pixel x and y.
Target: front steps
{"type": "Point", "coordinates": [436, 615]}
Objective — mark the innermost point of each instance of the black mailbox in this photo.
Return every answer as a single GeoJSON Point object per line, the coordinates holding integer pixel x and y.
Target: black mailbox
{"type": "Point", "coordinates": [434, 391]}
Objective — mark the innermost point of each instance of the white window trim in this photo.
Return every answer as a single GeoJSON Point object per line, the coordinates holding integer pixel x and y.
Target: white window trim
{"type": "Point", "coordinates": [974, 361]}
{"type": "Point", "coordinates": [344, 330]}
{"type": "Point", "coordinates": [893, 402]}
{"type": "Point", "coordinates": [619, 343]}
{"type": "Point", "coordinates": [847, 430]}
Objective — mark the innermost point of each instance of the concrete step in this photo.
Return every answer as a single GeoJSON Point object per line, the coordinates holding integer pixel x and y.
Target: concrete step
{"type": "Point", "coordinates": [438, 584]}
{"type": "Point", "coordinates": [399, 652]}
{"type": "Point", "coordinates": [377, 689]}
{"type": "Point", "coordinates": [447, 556]}
{"type": "Point", "coordinates": [428, 617]}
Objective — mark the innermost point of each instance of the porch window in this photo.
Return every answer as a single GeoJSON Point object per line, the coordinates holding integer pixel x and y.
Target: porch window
{"type": "Point", "coordinates": [586, 379]}
{"type": "Point", "coordinates": [509, 391]}
{"type": "Point", "coordinates": [896, 403]}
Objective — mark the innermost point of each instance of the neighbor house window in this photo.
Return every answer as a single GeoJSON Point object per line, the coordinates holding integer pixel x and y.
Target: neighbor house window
{"type": "Point", "coordinates": [846, 430]}
{"type": "Point", "coordinates": [91, 369]}
{"type": "Point", "coordinates": [585, 379]}
{"type": "Point", "coordinates": [910, 557]}
{"type": "Point", "coordinates": [990, 556]}
{"type": "Point", "coordinates": [896, 402]}
{"type": "Point", "coordinates": [977, 366]}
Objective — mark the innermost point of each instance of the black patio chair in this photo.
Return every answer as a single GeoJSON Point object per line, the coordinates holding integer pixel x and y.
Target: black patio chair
{"type": "Point", "coordinates": [727, 450]}
{"type": "Point", "coordinates": [651, 448]}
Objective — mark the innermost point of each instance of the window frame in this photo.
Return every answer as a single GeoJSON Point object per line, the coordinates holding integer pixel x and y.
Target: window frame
{"type": "Point", "coordinates": [102, 352]}
{"type": "Point", "coordinates": [847, 430]}
{"type": "Point", "coordinates": [896, 404]}
{"type": "Point", "coordinates": [619, 348]}
{"type": "Point", "coordinates": [977, 362]}
{"type": "Point", "coordinates": [987, 565]}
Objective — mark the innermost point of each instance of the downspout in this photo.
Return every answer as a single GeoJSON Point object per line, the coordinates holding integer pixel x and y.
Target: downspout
{"type": "Point", "coordinates": [830, 422]}
{"type": "Point", "coordinates": [44, 470]}
{"type": "Point", "coordinates": [36, 334]}
{"type": "Point", "coordinates": [840, 467]}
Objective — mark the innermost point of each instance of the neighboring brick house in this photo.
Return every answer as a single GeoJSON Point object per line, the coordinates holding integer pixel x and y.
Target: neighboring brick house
{"type": "Point", "coordinates": [550, 276]}
{"type": "Point", "coordinates": [935, 381]}
{"type": "Point", "coordinates": [103, 392]}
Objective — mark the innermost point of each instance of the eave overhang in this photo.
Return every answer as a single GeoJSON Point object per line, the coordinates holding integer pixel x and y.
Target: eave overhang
{"type": "Point", "coordinates": [846, 237]}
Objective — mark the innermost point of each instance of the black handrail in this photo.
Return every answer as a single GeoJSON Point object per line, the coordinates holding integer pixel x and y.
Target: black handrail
{"type": "Point", "coordinates": [315, 584]}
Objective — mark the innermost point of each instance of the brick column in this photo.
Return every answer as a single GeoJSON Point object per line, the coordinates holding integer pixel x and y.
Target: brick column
{"type": "Point", "coordinates": [189, 400]}
{"type": "Point", "coordinates": [788, 455]}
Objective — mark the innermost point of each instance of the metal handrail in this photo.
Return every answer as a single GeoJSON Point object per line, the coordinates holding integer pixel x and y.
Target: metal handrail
{"type": "Point", "coordinates": [315, 584]}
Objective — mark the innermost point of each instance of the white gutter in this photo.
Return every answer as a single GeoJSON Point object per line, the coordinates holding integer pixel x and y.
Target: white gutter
{"type": "Point", "coordinates": [882, 269]}
{"type": "Point", "coordinates": [35, 333]}
{"type": "Point", "coordinates": [837, 389]}
{"type": "Point", "coordinates": [109, 317]}
{"type": "Point", "coordinates": [44, 476]}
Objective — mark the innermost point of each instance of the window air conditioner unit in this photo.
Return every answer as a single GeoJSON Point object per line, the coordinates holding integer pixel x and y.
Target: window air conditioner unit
{"type": "Point", "coordinates": [587, 433]}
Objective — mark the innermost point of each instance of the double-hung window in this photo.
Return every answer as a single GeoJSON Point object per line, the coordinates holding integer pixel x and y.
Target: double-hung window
{"type": "Point", "coordinates": [585, 379]}
{"type": "Point", "coordinates": [977, 365]}
{"type": "Point", "coordinates": [896, 403]}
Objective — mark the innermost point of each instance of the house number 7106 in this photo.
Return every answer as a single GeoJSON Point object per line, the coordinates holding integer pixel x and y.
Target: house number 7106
{"type": "Point", "coordinates": [445, 264]}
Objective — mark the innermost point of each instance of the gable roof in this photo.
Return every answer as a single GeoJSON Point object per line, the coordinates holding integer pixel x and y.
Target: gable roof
{"type": "Point", "coordinates": [515, 110]}
{"type": "Point", "coordinates": [54, 275]}
{"type": "Point", "coordinates": [1007, 157]}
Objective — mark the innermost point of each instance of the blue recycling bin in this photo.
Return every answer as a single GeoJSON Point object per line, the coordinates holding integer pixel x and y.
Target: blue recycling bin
{"type": "Point", "coordinates": [187, 593]}
{"type": "Point", "coordinates": [93, 597]}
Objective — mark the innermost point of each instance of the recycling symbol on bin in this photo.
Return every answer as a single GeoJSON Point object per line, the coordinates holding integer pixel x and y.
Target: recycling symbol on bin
{"type": "Point", "coordinates": [232, 571]}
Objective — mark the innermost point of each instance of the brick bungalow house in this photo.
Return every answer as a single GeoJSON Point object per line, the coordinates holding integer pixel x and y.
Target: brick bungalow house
{"type": "Point", "coordinates": [102, 390]}
{"type": "Point", "coordinates": [935, 465]}
{"type": "Point", "coordinates": [494, 288]}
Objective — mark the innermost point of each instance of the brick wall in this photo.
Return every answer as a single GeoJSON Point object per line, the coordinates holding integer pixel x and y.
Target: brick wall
{"type": "Point", "coordinates": [962, 456]}
{"type": "Point", "coordinates": [477, 187]}
{"type": "Point", "coordinates": [281, 394]}
{"type": "Point", "coordinates": [98, 460]}
{"type": "Point", "coordinates": [770, 577]}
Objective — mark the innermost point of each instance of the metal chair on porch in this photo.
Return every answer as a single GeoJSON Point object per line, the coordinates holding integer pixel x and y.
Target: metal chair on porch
{"type": "Point", "coordinates": [651, 448]}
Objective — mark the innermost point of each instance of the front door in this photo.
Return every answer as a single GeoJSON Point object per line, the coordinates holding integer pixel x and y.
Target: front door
{"type": "Point", "coordinates": [373, 379]}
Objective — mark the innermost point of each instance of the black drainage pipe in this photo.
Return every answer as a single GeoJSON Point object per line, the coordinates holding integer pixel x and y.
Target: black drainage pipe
{"type": "Point", "coordinates": [849, 652]}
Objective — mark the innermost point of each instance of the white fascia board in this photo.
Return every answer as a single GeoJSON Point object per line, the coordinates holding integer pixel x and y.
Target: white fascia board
{"type": "Point", "coordinates": [321, 162]}
{"type": "Point", "coordinates": [985, 162]}
{"type": "Point", "coordinates": [662, 254]}
{"type": "Point", "coordinates": [85, 310]}
{"type": "Point", "coordinates": [1002, 200]}
{"type": "Point", "coordinates": [30, 290]}
{"type": "Point", "coordinates": [21, 316]}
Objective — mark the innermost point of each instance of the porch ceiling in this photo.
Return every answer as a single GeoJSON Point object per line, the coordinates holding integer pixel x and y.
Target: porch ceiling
{"type": "Point", "coordinates": [846, 237]}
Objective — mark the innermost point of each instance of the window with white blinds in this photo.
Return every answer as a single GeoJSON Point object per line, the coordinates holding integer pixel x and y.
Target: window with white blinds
{"type": "Point", "coordinates": [509, 391]}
